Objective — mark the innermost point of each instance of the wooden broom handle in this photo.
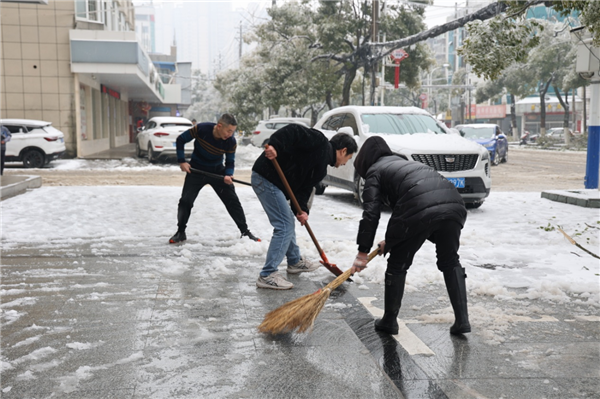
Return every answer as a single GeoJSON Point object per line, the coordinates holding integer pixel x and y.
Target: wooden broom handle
{"type": "Point", "coordinates": [297, 206]}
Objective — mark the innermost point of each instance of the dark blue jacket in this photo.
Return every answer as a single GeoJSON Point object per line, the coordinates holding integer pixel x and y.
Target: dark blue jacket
{"type": "Point", "coordinates": [208, 152]}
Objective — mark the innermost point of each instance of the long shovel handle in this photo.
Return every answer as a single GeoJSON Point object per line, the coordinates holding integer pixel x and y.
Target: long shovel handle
{"type": "Point", "coordinates": [216, 176]}
{"type": "Point", "coordinates": [331, 267]}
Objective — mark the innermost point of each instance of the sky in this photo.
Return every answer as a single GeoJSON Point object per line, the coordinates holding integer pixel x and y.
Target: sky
{"type": "Point", "coordinates": [510, 246]}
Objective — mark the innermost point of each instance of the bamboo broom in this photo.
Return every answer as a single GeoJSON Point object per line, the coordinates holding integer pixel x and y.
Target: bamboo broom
{"type": "Point", "coordinates": [300, 314]}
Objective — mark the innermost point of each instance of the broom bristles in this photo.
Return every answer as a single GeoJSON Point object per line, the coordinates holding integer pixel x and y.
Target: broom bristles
{"type": "Point", "coordinates": [300, 314]}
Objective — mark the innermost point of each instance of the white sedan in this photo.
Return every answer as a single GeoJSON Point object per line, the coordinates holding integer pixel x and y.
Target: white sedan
{"type": "Point", "coordinates": [33, 142]}
{"type": "Point", "coordinates": [157, 138]}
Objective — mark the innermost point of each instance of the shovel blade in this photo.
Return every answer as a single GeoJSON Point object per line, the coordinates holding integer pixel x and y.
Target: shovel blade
{"type": "Point", "coordinates": [332, 268]}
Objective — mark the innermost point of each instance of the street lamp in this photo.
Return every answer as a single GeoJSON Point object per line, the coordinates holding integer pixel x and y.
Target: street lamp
{"type": "Point", "coordinates": [445, 66]}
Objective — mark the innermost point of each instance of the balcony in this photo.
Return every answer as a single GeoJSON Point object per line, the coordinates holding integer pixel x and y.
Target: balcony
{"type": "Point", "coordinates": [116, 60]}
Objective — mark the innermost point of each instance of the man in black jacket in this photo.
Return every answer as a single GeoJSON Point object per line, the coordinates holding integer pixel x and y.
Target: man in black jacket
{"type": "Point", "coordinates": [303, 155]}
{"type": "Point", "coordinates": [425, 206]}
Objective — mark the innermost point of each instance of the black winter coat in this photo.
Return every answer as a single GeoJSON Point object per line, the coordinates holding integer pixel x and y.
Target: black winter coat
{"type": "Point", "coordinates": [418, 195]}
{"type": "Point", "coordinates": [303, 154]}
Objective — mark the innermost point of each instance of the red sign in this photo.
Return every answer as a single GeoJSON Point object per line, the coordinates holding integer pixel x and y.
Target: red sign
{"type": "Point", "coordinates": [491, 111]}
{"type": "Point", "coordinates": [110, 92]}
{"type": "Point", "coordinates": [397, 56]}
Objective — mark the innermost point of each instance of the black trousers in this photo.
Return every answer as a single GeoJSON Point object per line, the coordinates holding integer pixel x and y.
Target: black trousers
{"type": "Point", "coordinates": [2, 158]}
{"type": "Point", "coordinates": [446, 237]}
{"type": "Point", "coordinates": [226, 192]}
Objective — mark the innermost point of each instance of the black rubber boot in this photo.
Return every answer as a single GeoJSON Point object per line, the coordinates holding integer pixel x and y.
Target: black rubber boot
{"type": "Point", "coordinates": [457, 291]}
{"type": "Point", "coordinates": [178, 237]}
{"type": "Point", "coordinates": [394, 291]}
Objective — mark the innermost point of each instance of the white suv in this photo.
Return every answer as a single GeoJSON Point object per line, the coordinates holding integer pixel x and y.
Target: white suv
{"type": "Point", "coordinates": [35, 143]}
{"type": "Point", "coordinates": [416, 135]}
{"type": "Point", "coordinates": [264, 130]}
{"type": "Point", "coordinates": [158, 138]}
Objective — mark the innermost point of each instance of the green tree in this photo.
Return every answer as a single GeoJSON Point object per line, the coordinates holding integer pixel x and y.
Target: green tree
{"type": "Point", "coordinates": [518, 80]}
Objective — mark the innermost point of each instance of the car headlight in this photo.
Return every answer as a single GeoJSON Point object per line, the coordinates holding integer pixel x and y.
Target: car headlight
{"type": "Point", "coordinates": [485, 156]}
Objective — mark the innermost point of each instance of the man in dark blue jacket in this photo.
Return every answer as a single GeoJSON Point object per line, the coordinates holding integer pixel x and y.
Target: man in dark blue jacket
{"type": "Point", "coordinates": [213, 144]}
{"type": "Point", "coordinates": [425, 206]}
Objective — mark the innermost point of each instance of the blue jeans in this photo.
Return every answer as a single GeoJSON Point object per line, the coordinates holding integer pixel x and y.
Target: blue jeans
{"type": "Point", "coordinates": [283, 243]}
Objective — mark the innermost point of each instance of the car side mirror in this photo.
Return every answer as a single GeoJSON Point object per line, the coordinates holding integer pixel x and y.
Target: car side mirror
{"type": "Point", "coordinates": [462, 134]}
{"type": "Point", "coordinates": [346, 129]}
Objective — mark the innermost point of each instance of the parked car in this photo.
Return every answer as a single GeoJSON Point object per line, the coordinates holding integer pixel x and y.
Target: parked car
{"type": "Point", "coordinates": [414, 134]}
{"type": "Point", "coordinates": [157, 139]}
{"type": "Point", "coordinates": [490, 136]}
{"type": "Point", "coordinates": [555, 133]}
{"type": "Point", "coordinates": [264, 130]}
{"type": "Point", "coordinates": [33, 142]}
{"type": "Point", "coordinates": [558, 133]}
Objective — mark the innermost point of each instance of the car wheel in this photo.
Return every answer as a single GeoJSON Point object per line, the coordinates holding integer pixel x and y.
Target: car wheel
{"type": "Point", "coordinates": [151, 155]}
{"type": "Point", "coordinates": [359, 187]}
{"type": "Point", "coordinates": [320, 188]}
{"type": "Point", "coordinates": [34, 159]}
{"type": "Point", "coordinates": [473, 205]}
{"type": "Point", "coordinates": [138, 149]}
{"type": "Point", "coordinates": [496, 160]}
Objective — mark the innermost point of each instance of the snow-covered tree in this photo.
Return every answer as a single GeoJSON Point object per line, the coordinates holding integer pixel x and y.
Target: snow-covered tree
{"type": "Point", "coordinates": [207, 103]}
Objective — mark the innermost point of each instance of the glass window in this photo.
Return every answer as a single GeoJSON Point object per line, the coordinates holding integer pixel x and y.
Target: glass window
{"type": "Point", "coordinates": [470, 132]}
{"type": "Point", "coordinates": [16, 129]}
{"type": "Point", "coordinates": [334, 122]}
{"type": "Point", "coordinates": [350, 121]}
{"type": "Point", "coordinates": [89, 9]}
{"type": "Point", "coordinates": [401, 124]}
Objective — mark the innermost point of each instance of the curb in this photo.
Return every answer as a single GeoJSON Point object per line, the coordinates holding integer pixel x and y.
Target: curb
{"type": "Point", "coordinates": [15, 185]}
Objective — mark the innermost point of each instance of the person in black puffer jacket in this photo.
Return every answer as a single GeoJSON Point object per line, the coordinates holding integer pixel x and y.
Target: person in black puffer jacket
{"type": "Point", "coordinates": [425, 206]}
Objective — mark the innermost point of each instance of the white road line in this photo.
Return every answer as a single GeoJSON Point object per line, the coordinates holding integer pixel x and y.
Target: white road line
{"type": "Point", "coordinates": [405, 337]}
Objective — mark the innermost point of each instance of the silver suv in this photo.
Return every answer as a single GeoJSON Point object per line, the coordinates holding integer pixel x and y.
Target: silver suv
{"type": "Point", "coordinates": [416, 135]}
{"type": "Point", "coordinates": [264, 130]}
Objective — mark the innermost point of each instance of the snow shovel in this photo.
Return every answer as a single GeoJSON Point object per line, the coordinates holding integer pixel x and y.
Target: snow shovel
{"type": "Point", "coordinates": [216, 176]}
{"type": "Point", "coordinates": [324, 261]}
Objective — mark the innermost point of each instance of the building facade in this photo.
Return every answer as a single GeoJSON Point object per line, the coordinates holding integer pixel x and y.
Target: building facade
{"type": "Point", "coordinates": [79, 65]}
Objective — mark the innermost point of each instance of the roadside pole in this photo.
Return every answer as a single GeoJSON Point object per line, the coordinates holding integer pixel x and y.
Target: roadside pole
{"type": "Point", "coordinates": [593, 150]}
{"type": "Point", "coordinates": [587, 65]}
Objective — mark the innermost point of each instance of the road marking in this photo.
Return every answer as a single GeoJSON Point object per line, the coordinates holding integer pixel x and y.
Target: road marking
{"type": "Point", "coordinates": [587, 318]}
{"type": "Point", "coordinates": [405, 337]}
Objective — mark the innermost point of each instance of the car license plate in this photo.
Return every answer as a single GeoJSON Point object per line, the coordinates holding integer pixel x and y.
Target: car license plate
{"type": "Point", "coordinates": [175, 144]}
{"type": "Point", "coordinates": [62, 140]}
{"type": "Point", "coordinates": [459, 182]}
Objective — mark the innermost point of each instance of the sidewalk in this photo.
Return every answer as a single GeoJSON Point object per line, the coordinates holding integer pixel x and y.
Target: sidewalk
{"type": "Point", "coordinates": [83, 321]}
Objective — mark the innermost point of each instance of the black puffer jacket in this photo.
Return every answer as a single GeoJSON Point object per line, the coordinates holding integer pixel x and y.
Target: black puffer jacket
{"type": "Point", "coordinates": [303, 154]}
{"type": "Point", "coordinates": [417, 194]}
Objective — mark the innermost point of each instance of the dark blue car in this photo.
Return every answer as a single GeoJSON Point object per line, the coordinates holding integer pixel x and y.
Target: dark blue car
{"type": "Point", "coordinates": [490, 136]}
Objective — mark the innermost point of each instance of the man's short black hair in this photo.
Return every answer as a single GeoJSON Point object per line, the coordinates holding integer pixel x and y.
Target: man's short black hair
{"type": "Point", "coordinates": [228, 119]}
{"type": "Point", "coordinates": [343, 140]}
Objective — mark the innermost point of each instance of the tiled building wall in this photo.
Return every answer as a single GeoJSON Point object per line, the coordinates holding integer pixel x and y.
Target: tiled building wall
{"type": "Point", "coordinates": [37, 82]}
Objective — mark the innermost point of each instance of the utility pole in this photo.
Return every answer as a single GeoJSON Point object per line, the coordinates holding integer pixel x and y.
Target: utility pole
{"type": "Point", "coordinates": [374, 38]}
{"type": "Point", "coordinates": [240, 48]}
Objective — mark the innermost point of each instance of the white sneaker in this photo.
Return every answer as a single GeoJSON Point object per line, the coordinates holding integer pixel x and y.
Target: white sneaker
{"type": "Point", "coordinates": [274, 281]}
{"type": "Point", "coordinates": [303, 266]}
